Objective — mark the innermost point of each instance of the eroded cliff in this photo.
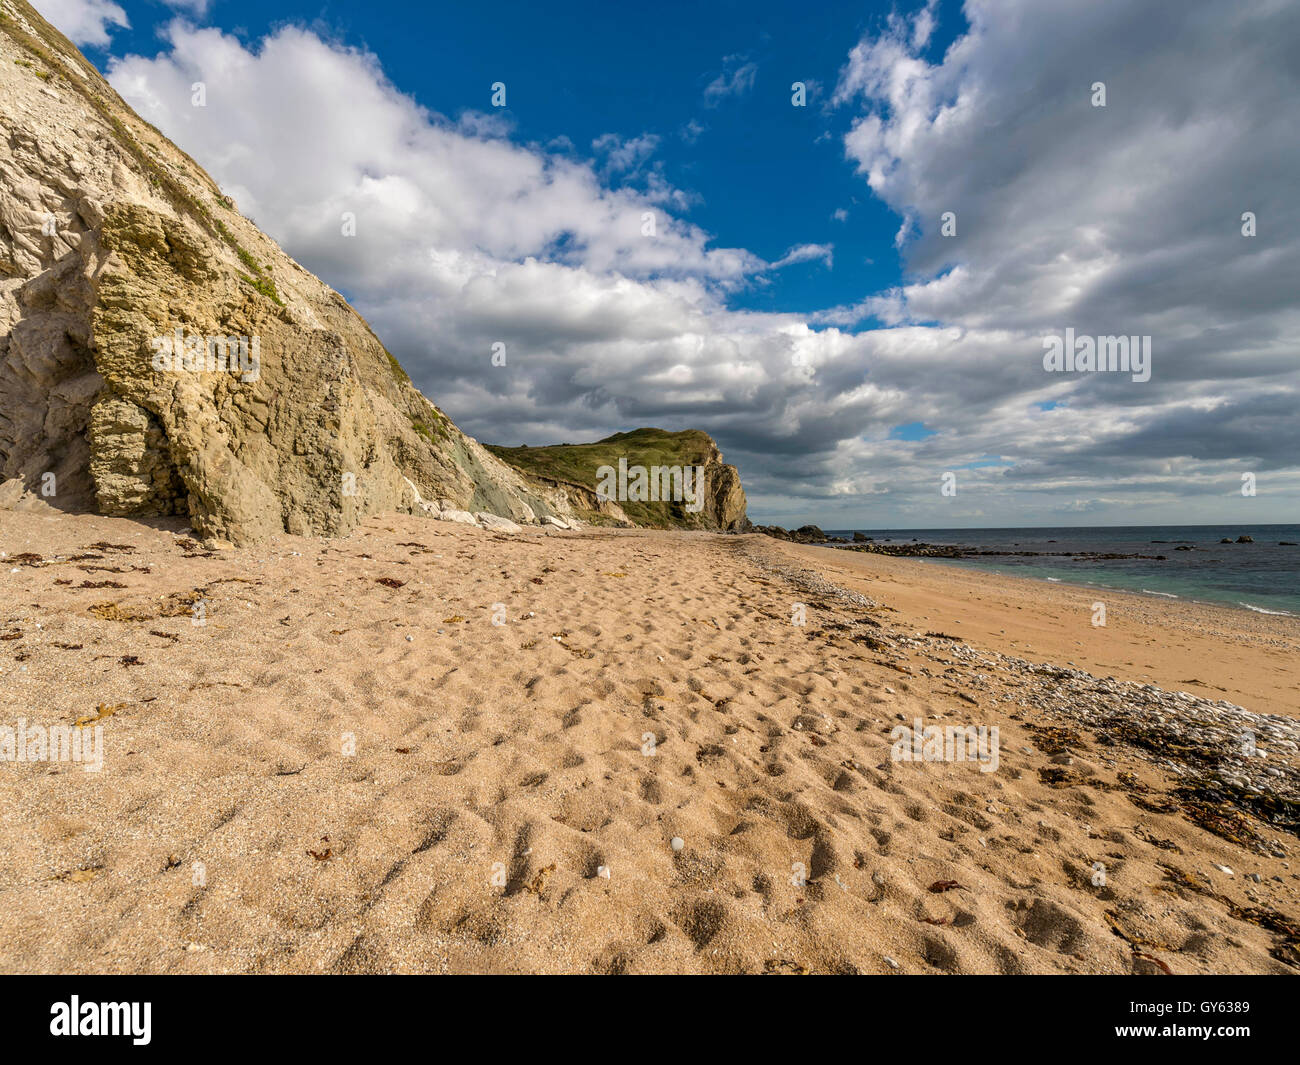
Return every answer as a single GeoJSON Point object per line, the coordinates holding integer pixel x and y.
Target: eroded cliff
{"type": "Point", "coordinates": [161, 355]}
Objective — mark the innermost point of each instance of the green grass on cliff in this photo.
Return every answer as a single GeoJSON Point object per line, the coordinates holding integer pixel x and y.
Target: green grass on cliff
{"type": "Point", "coordinates": [260, 279]}
{"type": "Point", "coordinates": [433, 430]}
{"type": "Point", "coordinates": [576, 464]}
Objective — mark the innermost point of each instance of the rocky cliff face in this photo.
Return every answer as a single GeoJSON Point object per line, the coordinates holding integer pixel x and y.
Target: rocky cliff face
{"type": "Point", "coordinates": [160, 355]}
{"type": "Point", "coordinates": [725, 504]}
{"type": "Point", "coordinates": [571, 475]}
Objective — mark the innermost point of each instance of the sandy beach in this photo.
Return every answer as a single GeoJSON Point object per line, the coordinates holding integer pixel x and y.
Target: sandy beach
{"type": "Point", "coordinates": [325, 756]}
{"type": "Point", "coordinates": [1216, 652]}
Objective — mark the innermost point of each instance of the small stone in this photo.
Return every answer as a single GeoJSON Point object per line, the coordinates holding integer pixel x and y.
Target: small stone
{"type": "Point", "coordinates": [410, 639]}
{"type": "Point", "coordinates": [678, 843]}
{"type": "Point", "coordinates": [890, 962]}
{"type": "Point", "coordinates": [497, 523]}
{"type": "Point", "coordinates": [1222, 868]}
{"type": "Point", "coordinates": [603, 872]}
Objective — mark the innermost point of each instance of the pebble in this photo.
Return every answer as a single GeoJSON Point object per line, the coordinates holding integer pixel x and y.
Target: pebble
{"type": "Point", "coordinates": [678, 843]}
{"type": "Point", "coordinates": [1223, 868]}
{"type": "Point", "coordinates": [1172, 720]}
{"type": "Point", "coordinates": [603, 871]}
{"type": "Point", "coordinates": [890, 962]}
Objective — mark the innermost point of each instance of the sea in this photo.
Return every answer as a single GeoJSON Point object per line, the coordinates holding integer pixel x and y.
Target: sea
{"type": "Point", "coordinates": [1262, 576]}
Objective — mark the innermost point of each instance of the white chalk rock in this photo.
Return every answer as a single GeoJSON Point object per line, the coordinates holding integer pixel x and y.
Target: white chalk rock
{"type": "Point", "coordinates": [497, 523]}
{"type": "Point", "coordinates": [462, 516]}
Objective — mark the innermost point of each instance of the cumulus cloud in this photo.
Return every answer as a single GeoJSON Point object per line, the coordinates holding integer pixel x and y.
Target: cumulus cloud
{"type": "Point", "coordinates": [84, 22]}
{"type": "Point", "coordinates": [1123, 219]}
{"type": "Point", "coordinates": [301, 130]}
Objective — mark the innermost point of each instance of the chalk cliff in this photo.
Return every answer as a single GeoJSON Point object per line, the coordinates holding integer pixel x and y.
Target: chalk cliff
{"type": "Point", "coordinates": [112, 240]}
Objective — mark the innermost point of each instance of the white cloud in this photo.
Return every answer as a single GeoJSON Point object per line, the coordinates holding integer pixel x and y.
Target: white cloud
{"type": "Point", "coordinates": [923, 25]}
{"type": "Point", "coordinates": [736, 79]}
{"type": "Point", "coordinates": [83, 22]}
{"type": "Point", "coordinates": [625, 154]}
{"type": "Point", "coordinates": [691, 131]}
{"type": "Point", "coordinates": [804, 253]}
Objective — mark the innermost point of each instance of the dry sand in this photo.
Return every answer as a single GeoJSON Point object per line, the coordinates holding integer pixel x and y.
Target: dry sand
{"type": "Point", "coordinates": [334, 774]}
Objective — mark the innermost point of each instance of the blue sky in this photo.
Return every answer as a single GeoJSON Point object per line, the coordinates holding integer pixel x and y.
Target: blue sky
{"type": "Point", "coordinates": [799, 298]}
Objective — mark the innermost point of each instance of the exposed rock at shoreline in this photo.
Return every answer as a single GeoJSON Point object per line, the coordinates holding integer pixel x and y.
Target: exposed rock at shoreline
{"type": "Point", "coordinates": [805, 534]}
{"type": "Point", "coordinates": [811, 534]}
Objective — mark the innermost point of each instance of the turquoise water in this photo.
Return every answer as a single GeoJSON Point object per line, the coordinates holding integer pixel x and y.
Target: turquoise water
{"type": "Point", "coordinates": [1261, 576]}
